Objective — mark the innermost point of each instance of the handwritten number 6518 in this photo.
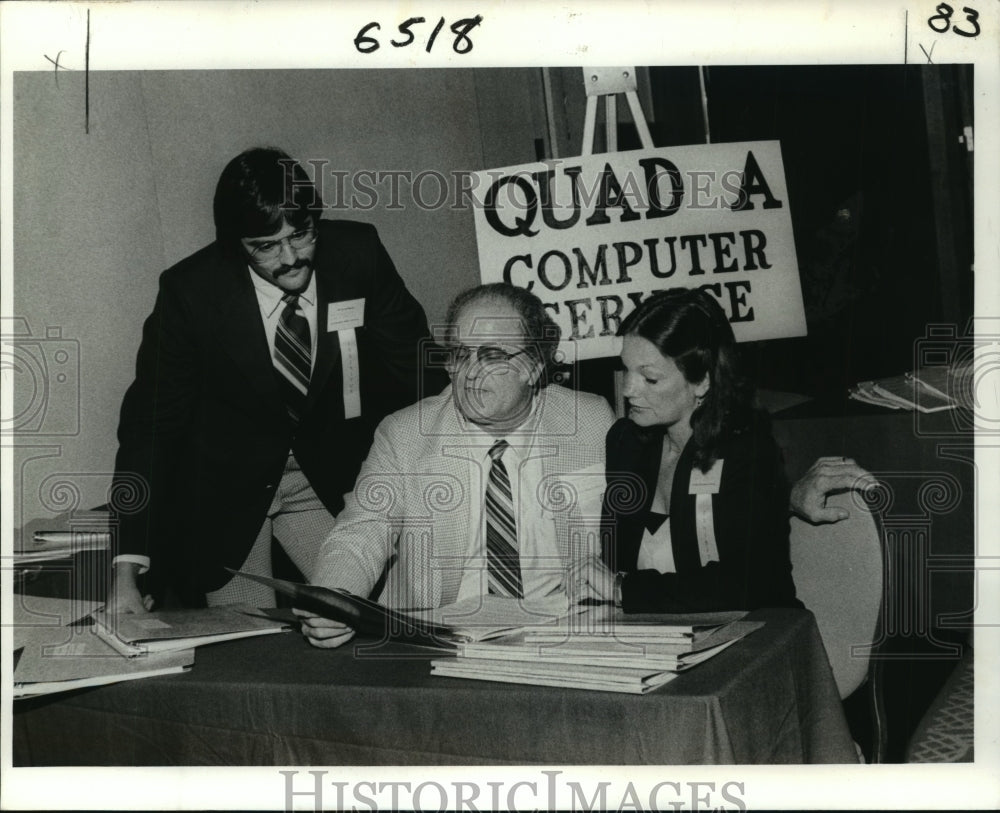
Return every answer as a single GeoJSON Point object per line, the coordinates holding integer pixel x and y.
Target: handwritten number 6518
{"type": "Point", "coordinates": [462, 44]}
{"type": "Point", "coordinates": [941, 21]}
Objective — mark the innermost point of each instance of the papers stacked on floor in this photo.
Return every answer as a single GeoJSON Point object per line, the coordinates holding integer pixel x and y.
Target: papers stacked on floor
{"type": "Point", "coordinates": [601, 651]}
{"type": "Point", "coordinates": [50, 656]}
{"type": "Point", "coordinates": [173, 630]}
{"type": "Point", "coordinates": [928, 389]}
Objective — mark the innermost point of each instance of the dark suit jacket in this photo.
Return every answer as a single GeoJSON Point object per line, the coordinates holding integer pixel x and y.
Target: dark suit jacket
{"type": "Point", "coordinates": [751, 525]}
{"type": "Point", "coordinates": [204, 435]}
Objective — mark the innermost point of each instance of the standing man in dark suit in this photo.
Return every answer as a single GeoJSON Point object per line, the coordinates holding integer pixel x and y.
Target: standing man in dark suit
{"type": "Point", "coordinates": [268, 360]}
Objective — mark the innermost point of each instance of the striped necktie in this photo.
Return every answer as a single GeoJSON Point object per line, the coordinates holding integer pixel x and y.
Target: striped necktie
{"type": "Point", "coordinates": [293, 355]}
{"type": "Point", "coordinates": [501, 530]}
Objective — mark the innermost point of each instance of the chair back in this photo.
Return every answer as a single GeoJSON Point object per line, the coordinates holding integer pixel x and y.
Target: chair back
{"type": "Point", "coordinates": [838, 573]}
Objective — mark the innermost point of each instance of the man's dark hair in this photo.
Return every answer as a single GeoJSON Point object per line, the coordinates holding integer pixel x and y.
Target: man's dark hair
{"type": "Point", "coordinates": [541, 333]}
{"type": "Point", "coordinates": [258, 191]}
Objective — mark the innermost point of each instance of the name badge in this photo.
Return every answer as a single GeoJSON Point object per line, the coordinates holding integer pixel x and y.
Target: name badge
{"type": "Point", "coordinates": [345, 315]}
{"type": "Point", "coordinates": [706, 482]}
{"type": "Point", "coordinates": [704, 523]}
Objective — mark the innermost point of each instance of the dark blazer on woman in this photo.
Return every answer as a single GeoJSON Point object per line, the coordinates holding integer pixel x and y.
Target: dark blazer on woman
{"type": "Point", "coordinates": [750, 514]}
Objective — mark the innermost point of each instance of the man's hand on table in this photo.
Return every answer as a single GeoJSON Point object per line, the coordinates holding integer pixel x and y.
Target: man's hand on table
{"type": "Point", "coordinates": [124, 596]}
{"type": "Point", "coordinates": [323, 632]}
{"type": "Point", "coordinates": [827, 476]}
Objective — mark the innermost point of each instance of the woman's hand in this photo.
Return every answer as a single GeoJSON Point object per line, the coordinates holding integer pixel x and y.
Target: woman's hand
{"type": "Point", "coordinates": [323, 632]}
{"type": "Point", "coordinates": [589, 578]}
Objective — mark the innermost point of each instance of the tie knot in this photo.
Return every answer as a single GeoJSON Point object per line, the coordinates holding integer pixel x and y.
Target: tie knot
{"type": "Point", "coordinates": [290, 299]}
{"type": "Point", "coordinates": [497, 449]}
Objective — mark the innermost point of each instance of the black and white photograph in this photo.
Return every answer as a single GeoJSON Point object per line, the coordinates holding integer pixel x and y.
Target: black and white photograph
{"type": "Point", "coordinates": [499, 406]}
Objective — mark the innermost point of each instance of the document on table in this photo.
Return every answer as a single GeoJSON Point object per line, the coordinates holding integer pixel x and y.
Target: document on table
{"type": "Point", "coordinates": [170, 630]}
{"type": "Point", "coordinates": [585, 651]}
{"type": "Point", "coordinates": [59, 659]}
{"type": "Point", "coordinates": [483, 617]}
{"type": "Point", "coordinates": [473, 620]}
{"type": "Point", "coordinates": [602, 624]}
{"type": "Point", "coordinates": [43, 611]}
{"type": "Point", "coordinates": [46, 546]}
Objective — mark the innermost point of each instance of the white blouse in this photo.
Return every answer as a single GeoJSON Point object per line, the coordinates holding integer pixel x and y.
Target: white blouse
{"type": "Point", "coordinates": [657, 551]}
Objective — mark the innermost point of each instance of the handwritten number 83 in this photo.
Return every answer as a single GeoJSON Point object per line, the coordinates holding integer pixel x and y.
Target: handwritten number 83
{"type": "Point", "coordinates": [462, 45]}
{"type": "Point", "coordinates": [941, 21]}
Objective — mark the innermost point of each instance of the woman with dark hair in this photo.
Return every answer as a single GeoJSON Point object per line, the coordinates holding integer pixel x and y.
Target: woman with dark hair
{"type": "Point", "coordinates": [696, 506]}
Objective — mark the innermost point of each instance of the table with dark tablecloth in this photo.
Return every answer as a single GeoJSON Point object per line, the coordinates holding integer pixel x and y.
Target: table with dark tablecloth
{"type": "Point", "coordinates": [276, 700]}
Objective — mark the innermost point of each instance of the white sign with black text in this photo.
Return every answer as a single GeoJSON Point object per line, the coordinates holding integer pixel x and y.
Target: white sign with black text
{"type": "Point", "coordinates": [593, 236]}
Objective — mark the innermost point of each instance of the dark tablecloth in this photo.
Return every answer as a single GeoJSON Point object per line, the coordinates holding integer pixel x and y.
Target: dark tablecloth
{"type": "Point", "coordinates": [278, 701]}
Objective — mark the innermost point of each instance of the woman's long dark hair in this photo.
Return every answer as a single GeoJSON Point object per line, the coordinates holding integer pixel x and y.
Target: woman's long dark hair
{"type": "Point", "coordinates": [689, 327]}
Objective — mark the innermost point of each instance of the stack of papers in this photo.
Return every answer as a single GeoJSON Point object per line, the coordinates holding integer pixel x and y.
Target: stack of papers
{"type": "Point", "coordinates": [51, 656]}
{"type": "Point", "coordinates": [81, 531]}
{"type": "Point", "coordinates": [48, 546]}
{"type": "Point", "coordinates": [61, 644]}
{"type": "Point", "coordinates": [605, 624]}
{"type": "Point", "coordinates": [927, 390]}
{"type": "Point", "coordinates": [597, 650]}
{"type": "Point", "coordinates": [485, 618]}
{"type": "Point", "coordinates": [54, 659]}
{"type": "Point", "coordinates": [597, 678]}
{"type": "Point", "coordinates": [173, 630]}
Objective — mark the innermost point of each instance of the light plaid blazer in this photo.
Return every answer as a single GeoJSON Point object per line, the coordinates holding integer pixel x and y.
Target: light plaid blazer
{"type": "Point", "coordinates": [418, 495]}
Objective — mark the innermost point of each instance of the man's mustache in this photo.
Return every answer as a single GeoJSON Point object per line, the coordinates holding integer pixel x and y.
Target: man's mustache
{"type": "Point", "coordinates": [293, 267]}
